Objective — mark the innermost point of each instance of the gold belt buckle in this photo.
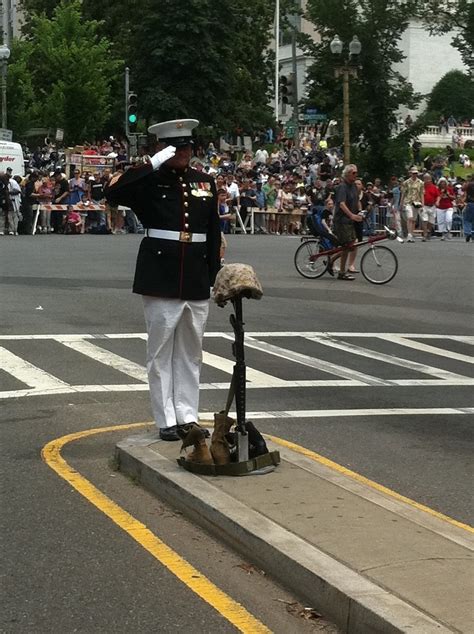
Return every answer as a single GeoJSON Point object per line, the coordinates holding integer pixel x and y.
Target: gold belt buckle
{"type": "Point", "coordinates": [185, 236]}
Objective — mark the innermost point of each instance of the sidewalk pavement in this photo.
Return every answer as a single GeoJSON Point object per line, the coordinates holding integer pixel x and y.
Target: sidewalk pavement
{"type": "Point", "coordinates": [366, 560]}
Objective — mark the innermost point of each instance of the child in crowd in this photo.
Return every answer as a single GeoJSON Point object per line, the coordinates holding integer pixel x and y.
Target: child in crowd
{"type": "Point", "coordinates": [73, 221]}
{"type": "Point", "coordinates": [225, 217]}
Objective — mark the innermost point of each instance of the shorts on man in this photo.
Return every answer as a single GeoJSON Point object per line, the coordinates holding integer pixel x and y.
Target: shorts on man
{"type": "Point", "coordinates": [345, 232]}
{"type": "Point", "coordinates": [428, 214]}
{"type": "Point", "coordinates": [411, 212]}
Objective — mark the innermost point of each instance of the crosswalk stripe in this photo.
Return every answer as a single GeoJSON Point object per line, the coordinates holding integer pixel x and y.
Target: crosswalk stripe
{"type": "Point", "coordinates": [257, 378]}
{"type": "Point", "coordinates": [40, 382]}
{"type": "Point", "coordinates": [27, 372]}
{"type": "Point", "coordinates": [386, 358]}
{"type": "Point", "coordinates": [423, 347]}
{"type": "Point", "coordinates": [325, 366]}
{"type": "Point", "coordinates": [136, 371]}
{"type": "Point", "coordinates": [108, 358]}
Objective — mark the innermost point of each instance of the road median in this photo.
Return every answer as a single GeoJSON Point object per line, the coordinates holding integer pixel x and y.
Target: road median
{"type": "Point", "coordinates": [362, 558]}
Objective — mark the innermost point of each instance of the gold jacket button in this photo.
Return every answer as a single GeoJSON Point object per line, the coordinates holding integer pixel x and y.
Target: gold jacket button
{"type": "Point", "coordinates": [186, 215]}
{"type": "Point", "coordinates": [186, 226]}
{"type": "Point", "coordinates": [186, 194]}
{"type": "Point", "coordinates": [186, 204]}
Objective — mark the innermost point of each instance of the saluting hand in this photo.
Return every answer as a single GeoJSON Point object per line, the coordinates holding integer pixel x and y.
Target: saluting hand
{"type": "Point", "coordinates": [162, 156]}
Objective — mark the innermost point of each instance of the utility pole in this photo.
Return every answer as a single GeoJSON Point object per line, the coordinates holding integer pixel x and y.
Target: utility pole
{"type": "Point", "coordinates": [296, 135]}
{"type": "Point", "coordinates": [346, 111]}
{"type": "Point", "coordinates": [277, 57]}
{"type": "Point", "coordinates": [4, 55]}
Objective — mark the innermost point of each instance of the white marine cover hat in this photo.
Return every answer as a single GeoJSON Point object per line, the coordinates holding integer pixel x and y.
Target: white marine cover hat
{"type": "Point", "coordinates": [176, 132]}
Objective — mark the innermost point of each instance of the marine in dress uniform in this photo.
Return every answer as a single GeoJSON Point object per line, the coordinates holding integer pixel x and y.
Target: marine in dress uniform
{"type": "Point", "coordinates": [176, 266]}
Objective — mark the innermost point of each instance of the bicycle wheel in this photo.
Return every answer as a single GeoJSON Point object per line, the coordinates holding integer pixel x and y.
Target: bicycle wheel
{"type": "Point", "coordinates": [379, 265]}
{"type": "Point", "coordinates": [307, 261]}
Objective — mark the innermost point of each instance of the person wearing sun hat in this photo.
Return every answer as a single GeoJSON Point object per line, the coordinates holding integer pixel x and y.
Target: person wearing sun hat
{"type": "Point", "coordinates": [176, 266]}
{"type": "Point", "coordinates": [412, 201]}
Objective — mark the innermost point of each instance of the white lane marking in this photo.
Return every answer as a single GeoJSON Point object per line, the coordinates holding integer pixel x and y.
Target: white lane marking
{"type": "Point", "coordinates": [423, 347]}
{"type": "Point", "coordinates": [73, 389]}
{"type": "Point", "coordinates": [257, 378]}
{"type": "Point", "coordinates": [60, 338]}
{"type": "Point", "coordinates": [294, 333]}
{"type": "Point", "coordinates": [303, 359]}
{"type": "Point", "coordinates": [64, 388]}
{"type": "Point", "coordinates": [28, 373]}
{"type": "Point", "coordinates": [107, 358]}
{"type": "Point", "coordinates": [386, 358]}
{"type": "Point", "coordinates": [350, 413]}
{"type": "Point", "coordinates": [469, 340]}
{"type": "Point", "coordinates": [137, 387]}
{"type": "Point", "coordinates": [141, 335]}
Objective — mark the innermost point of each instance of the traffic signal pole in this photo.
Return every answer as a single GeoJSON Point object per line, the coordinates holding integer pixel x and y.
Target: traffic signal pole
{"type": "Point", "coordinates": [127, 90]}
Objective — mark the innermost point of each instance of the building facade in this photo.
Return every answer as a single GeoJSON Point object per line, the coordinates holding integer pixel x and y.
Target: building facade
{"type": "Point", "coordinates": [427, 59]}
{"type": "Point", "coordinates": [11, 19]}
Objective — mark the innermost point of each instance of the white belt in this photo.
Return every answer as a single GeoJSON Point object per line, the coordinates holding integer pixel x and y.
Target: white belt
{"type": "Point", "coordinates": [179, 236]}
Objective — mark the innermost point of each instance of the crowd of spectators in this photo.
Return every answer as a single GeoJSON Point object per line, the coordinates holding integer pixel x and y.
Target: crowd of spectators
{"type": "Point", "coordinates": [282, 189]}
{"type": "Point", "coordinates": [274, 190]}
{"type": "Point", "coordinates": [47, 183]}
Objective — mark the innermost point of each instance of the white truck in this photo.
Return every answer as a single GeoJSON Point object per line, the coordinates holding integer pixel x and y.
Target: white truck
{"type": "Point", "coordinates": [11, 155]}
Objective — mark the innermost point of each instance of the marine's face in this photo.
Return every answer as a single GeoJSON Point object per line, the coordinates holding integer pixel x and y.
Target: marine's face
{"type": "Point", "coordinates": [182, 157]}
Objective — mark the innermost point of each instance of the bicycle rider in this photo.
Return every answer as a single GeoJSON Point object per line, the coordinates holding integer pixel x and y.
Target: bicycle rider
{"type": "Point", "coordinates": [346, 213]}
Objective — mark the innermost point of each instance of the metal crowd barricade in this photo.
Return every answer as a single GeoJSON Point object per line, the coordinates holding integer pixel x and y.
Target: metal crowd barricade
{"type": "Point", "coordinates": [82, 208]}
{"type": "Point", "coordinates": [381, 213]}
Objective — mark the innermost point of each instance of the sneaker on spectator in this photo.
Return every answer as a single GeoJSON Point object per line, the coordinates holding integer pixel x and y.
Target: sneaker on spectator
{"type": "Point", "coordinates": [410, 238]}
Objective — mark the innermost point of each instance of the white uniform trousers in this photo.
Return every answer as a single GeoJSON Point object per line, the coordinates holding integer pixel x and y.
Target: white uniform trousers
{"type": "Point", "coordinates": [175, 330]}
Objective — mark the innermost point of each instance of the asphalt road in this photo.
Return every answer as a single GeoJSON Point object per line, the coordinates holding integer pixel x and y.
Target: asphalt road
{"type": "Point", "coordinates": [398, 414]}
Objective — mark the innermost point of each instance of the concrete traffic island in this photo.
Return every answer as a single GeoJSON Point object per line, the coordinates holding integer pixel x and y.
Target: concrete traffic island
{"type": "Point", "coordinates": [366, 560]}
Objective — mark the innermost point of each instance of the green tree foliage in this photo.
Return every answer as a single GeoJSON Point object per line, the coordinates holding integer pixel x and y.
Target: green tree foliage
{"type": "Point", "coordinates": [452, 95]}
{"type": "Point", "coordinates": [207, 60]}
{"type": "Point", "coordinates": [60, 75]}
{"type": "Point", "coordinates": [379, 89]}
{"type": "Point", "coordinates": [444, 16]}
{"type": "Point", "coordinates": [21, 98]}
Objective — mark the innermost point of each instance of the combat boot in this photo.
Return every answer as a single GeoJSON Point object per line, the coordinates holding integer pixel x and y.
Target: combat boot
{"type": "Point", "coordinates": [200, 454]}
{"type": "Point", "coordinates": [219, 446]}
{"type": "Point", "coordinates": [258, 446]}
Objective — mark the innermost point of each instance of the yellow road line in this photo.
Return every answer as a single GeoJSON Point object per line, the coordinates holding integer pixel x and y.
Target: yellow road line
{"type": "Point", "coordinates": [360, 478]}
{"type": "Point", "coordinates": [190, 576]}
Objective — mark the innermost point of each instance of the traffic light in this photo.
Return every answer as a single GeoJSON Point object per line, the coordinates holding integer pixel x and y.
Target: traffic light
{"type": "Point", "coordinates": [132, 110]}
{"type": "Point", "coordinates": [287, 88]}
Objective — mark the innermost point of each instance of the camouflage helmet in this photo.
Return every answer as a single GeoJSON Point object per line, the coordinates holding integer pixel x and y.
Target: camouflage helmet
{"type": "Point", "coordinates": [234, 280]}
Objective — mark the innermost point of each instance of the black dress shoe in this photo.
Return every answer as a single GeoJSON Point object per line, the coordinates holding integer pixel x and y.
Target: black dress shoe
{"type": "Point", "coordinates": [169, 433]}
{"type": "Point", "coordinates": [183, 429]}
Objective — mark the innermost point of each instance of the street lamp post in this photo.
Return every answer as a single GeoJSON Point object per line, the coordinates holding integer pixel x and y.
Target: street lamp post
{"type": "Point", "coordinates": [4, 55]}
{"type": "Point", "coordinates": [346, 70]}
